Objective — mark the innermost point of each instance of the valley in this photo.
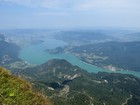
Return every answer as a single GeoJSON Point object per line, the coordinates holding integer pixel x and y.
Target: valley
{"type": "Point", "coordinates": [69, 52]}
{"type": "Point", "coordinates": [99, 71]}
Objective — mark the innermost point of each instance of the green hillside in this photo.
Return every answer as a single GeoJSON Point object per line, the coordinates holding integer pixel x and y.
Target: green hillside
{"type": "Point", "coordinates": [15, 91]}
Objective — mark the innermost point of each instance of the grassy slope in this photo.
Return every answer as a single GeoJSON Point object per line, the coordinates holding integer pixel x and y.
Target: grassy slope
{"type": "Point", "coordinates": [15, 91]}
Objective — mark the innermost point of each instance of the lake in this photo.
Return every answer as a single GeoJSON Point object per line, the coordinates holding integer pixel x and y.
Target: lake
{"type": "Point", "coordinates": [35, 54]}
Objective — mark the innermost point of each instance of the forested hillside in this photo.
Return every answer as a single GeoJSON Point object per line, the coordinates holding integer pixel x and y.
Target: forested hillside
{"type": "Point", "coordinates": [66, 84]}
{"type": "Point", "coordinates": [108, 55]}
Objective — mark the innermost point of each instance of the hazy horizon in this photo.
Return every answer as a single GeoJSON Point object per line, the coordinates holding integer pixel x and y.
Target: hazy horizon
{"type": "Point", "coordinates": [18, 14]}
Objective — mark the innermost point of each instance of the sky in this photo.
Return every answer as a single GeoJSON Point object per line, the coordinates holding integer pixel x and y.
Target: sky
{"type": "Point", "coordinates": [69, 13]}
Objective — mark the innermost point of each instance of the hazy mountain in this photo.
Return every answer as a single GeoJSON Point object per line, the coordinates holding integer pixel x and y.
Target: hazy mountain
{"type": "Point", "coordinates": [2, 37]}
{"type": "Point", "coordinates": [131, 37]}
{"type": "Point", "coordinates": [9, 51]}
{"type": "Point", "coordinates": [77, 37]}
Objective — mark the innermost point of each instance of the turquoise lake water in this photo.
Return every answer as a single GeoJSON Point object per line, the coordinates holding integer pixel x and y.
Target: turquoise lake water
{"type": "Point", "coordinates": [35, 54]}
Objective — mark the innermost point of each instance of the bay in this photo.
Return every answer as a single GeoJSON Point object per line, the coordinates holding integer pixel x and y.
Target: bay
{"type": "Point", "coordinates": [35, 54]}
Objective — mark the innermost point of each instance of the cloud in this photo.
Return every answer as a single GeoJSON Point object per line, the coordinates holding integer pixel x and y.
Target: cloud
{"type": "Point", "coordinates": [19, 2]}
{"type": "Point", "coordinates": [77, 4]}
{"type": "Point", "coordinates": [42, 3]}
{"type": "Point", "coordinates": [108, 4]}
{"type": "Point", "coordinates": [52, 14]}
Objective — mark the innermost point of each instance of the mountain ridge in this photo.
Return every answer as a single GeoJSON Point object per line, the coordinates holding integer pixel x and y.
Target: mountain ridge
{"type": "Point", "coordinates": [73, 85]}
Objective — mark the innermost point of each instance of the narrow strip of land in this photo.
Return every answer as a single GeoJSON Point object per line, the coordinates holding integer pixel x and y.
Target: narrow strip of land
{"type": "Point", "coordinates": [126, 101]}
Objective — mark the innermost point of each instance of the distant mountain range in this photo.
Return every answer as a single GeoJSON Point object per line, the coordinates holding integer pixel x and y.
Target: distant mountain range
{"type": "Point", "coordinates": [96, 36]}
{"type": "Point", "coordinates": [66, 84]}
{"type": "Point", "coordinates": [81, 37]}
{"type": "Point", "coordinates": [131, 37]}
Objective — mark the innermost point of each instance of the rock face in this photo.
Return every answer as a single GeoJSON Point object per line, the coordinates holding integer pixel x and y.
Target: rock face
{"type": "Point", "coordinates": [15, 91]}
{"type": "Point", "coordinates": [70, 85]}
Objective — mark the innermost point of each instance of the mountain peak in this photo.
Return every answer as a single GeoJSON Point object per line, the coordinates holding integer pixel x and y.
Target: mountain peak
{"type": "Point", "coordinates": [57, 62]}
